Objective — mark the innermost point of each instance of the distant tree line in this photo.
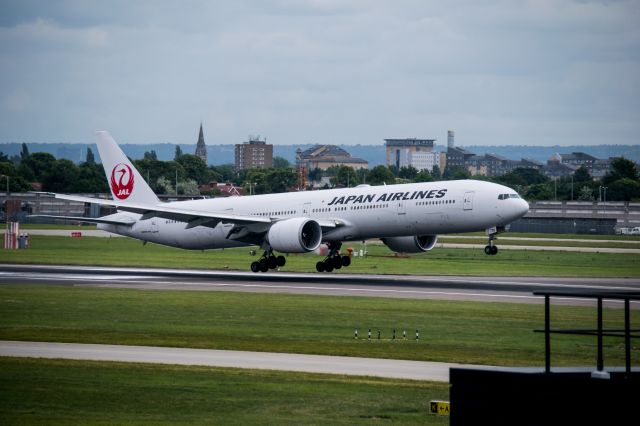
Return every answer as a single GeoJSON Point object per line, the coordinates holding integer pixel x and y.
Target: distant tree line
{"type": "Point", "coordinates": [188, 171]}
{"type": "Point", "coordinates": [622, 182]}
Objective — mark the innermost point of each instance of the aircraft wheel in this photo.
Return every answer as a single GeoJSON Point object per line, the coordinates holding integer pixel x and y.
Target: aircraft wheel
{"type": "Point", "coordinates": [320, 266]}
{"type": "Point", "coordinates": [336, 262]}
{"type": "Point", "coordinates": [494, 250]}
{"type": "Point", "coordinates": [255, 267]}
{"type": "Point", "coordinates": [487, 250]}
{"type": "Point", "coordinates": [328, 266]}
{"type": "Point", "coordinates": [264, 266]}
{"type": "Point", "coordinates": [346, 261]}
{"type": "Point", "coordinates": [272, 262]}
{"type": "Point", "coordinates": [281, 260]}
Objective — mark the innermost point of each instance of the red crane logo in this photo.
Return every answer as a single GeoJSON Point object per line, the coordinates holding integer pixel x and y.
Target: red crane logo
{"type": "Point", "coordinates": [122, 185]}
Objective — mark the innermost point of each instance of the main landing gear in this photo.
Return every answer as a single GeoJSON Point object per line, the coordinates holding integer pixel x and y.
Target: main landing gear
{"type": "Point", "coordinates": [333, 259]}
{"type": "Point", "coordinates": [268, 261]}
{"type": "Point", "coordinates": [491, 249]}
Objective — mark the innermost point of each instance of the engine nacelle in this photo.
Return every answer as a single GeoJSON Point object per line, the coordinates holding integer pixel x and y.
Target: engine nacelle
{"type": "Point", "coordinates": [297, 235]}
{"type": "Point", "coordinates": [414, 244]}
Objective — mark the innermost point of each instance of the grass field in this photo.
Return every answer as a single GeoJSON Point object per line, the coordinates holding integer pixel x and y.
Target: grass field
{"type": "Point", "coordinates": [129, 252]}
{"type": "Point", "coordinates": [451, 331]}
{"type": "Point", "coordinates": [90, 393]}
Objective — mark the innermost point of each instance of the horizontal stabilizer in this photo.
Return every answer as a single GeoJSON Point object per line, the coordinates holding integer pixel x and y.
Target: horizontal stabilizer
{"type": "Point", "coordinates": [126, 222]}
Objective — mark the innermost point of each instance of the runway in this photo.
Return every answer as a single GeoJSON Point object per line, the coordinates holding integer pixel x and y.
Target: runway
{"type": "Point", "coordinates": [350, 366]}
{"type": "Point", "coordinates": [490, 289]}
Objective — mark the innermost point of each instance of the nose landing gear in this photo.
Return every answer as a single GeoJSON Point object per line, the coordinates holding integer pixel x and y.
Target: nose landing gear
{"type": "Point", "coordinates": [491, 249]}
{"type": "Point", "coordinates": [333, 259]}
{"type": "Point", "coordinates": [268, 261]}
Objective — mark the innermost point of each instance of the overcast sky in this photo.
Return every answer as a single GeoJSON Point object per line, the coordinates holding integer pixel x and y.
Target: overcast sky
{"type": "Point", "coordinates": [321, 71]}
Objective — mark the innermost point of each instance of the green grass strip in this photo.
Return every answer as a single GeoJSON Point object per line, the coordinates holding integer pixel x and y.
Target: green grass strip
{"type": "Point", "coordinates": [450, 331]}
{"type": "Point", "coordinates": [38, 391]}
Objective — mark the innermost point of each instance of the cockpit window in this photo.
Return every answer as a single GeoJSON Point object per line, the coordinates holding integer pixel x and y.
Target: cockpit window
{"type": "Point", "coordinates": [507, 196]}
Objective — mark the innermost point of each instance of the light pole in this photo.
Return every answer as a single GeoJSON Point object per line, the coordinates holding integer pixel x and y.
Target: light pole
{"type": "Point", "coordinates": [572, 187]}
{"type": "Point", "coordinates": [603, 190]}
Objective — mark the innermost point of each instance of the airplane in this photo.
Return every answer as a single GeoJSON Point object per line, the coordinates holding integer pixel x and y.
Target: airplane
{"type": "Point", "coordinates": [406, 217]}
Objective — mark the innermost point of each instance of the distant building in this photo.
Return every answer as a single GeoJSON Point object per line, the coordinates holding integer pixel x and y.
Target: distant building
{"type": "Point", "coordinates": [226, 189]}
{"type": "Point", "coordinates": [555, 168]}
{"type": "Point", "coordinates": [596, 167]}
{"type": "Point", "coordinates": [201, 149]}
{"type": "Point", "coordinates": [489, 165]}
{"type": "Point", "coordinates": [457, 157]}
{"type": "Point", "coordinates": [253, 154]}
{"type": "Point", "coordinates": [412, 152]}
{"type": "Point", "coordinates": [529, 163]}
{"type": "Point", "coordinates": [600, 168]}
{"type": "Point", "coordinates": [450, 139]}
{"type": "Point", "coordinates": [324, 156]}
{"type": "Point", "coordinates": [492, 165]}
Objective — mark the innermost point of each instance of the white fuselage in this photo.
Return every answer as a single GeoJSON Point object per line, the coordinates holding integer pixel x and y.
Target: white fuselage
{"type": "Point", "coordinates": [360, 213]}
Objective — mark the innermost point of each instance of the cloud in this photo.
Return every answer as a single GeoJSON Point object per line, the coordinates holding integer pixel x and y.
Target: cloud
{"type": "Point", "coordinates": [47, 35]}
{"type": "Point", "coordinates": [539, 72]}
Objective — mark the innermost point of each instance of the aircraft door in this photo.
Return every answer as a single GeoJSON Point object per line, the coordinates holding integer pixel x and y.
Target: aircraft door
{"type": "Point", "coordinates": [306, 209]}
{"type": "Point", "coordinates": [467, 203]}
{"type": "Point", "coordinates": [402, 220]}
{"type": "Point", "coordinates": [402, 207]}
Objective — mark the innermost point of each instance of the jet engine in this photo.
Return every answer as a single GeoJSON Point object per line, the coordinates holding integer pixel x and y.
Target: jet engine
{"type": "Point", "coordinates": [297, 235]}
{"type": "Point", "coordinates": [414, 244]}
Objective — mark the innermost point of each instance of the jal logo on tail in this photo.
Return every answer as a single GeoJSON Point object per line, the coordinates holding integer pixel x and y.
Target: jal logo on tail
{"type": "Point", "coordinates": [122, 181]}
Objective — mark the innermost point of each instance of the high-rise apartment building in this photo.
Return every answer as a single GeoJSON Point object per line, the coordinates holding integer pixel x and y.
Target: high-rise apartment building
{"type": "Point", "coordinates": [253, 154]}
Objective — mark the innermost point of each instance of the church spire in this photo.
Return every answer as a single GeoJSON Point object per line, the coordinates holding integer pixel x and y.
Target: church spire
{"type": "Point", "coordinates": [201, 149]}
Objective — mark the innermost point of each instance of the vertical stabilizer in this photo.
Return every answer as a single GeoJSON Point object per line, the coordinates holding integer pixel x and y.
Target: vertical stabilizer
{"type": "Point", "coordinates": [125, 182]}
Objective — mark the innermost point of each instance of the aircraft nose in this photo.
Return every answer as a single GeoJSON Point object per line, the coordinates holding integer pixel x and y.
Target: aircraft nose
{"type": "Point", "coordinates": [522, 208]}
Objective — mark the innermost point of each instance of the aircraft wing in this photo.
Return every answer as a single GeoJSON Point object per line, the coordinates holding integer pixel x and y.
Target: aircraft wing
{"type": "Point", "coordinates": [192, 217]}
{"type": "Point", "coordinates": [129, 222]}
